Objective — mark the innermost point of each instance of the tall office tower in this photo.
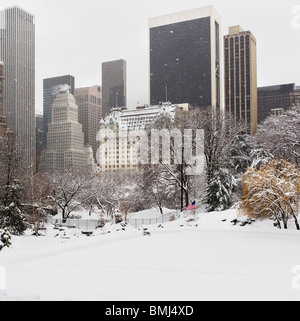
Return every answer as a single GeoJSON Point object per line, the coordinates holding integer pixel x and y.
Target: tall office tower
{"type": "Point", "coordinates": [241, 76]}
{"type": "Point", "coordinates": [185, 63]}
{"type": "Point", "coordinates": [114, 84]}
{"type": "Point", "coordinates": [52, 87]}
{"type": "Point", "coordinates": [65, 138]}
{"type": "Point", "coordinates": [17, 51]}
{"type": "Point", "coordinates": [2, 116]}
{"type": "Point", "coordinates": [89, 102]}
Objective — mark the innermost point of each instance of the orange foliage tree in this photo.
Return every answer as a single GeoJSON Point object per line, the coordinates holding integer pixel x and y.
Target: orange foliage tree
{"type": "Point", "coordinates": [272, 192]}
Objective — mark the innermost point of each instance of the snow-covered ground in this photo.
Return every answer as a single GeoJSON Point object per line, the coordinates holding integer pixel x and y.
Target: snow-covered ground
{"type": "Point", "coordinates": [205, 259]}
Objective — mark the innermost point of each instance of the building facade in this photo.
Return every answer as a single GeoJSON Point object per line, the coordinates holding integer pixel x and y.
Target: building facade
{"type": "Point", "coordinates": [51, 88]}
{"type": "Point", "coordinates": [273, 98]}
{"type": "Point", "coordinates": [240, 58]}
{"type": "Point", "coordinates": [114, 83]}
{"type": "Point", "coordinates": [89, 102]}
{"type": "Point", "coordinates": [142, 117]}
{"type": "Point", "coordinates": [65, 148]}
{"type": "Point", "coordinates": [116, 151]}
{"type": "Point", "coordinates": [2, 116]}
{"type": "Point", "coordinates": [185, 58]}
{"type": "Point", "coordinates": [17, 52]}
{"type": "Point", "coordinates": [119, 131]}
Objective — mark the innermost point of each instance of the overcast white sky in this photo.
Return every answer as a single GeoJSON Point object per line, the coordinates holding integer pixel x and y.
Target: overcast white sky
{"type": "Point", "coordinates": [76, 36]}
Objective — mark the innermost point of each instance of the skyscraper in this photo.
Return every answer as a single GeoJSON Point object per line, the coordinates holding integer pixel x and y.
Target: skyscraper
{"type": "Point", "coordinates": [65, 138]}
{"type": "Point", "coordinates": [185, 64]}
{"type": "Point", "coordinates": [2, 117]}
{"type": "Point", "coordinates": [17, 51]}
{"type": "Point", "coordinates": [241, 76]}
{"type": "Point", "coordinates": [114, 83]}
{"type": "Point", "coordinates": [89, 102]}
{"type": "Point", "coordinates": [52, 87]}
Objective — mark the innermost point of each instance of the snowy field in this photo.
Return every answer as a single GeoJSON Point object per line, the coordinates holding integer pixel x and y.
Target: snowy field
{"type": "Point", "coordinates": [206, 259]}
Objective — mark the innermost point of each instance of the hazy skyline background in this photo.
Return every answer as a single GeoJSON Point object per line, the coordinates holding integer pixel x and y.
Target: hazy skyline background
{"type": "Point", "coordinates": [75, 37]}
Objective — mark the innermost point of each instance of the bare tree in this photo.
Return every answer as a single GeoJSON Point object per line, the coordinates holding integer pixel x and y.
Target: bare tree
{"type": "Point", "coordinates": [119, 191]}
{"type": "Point", "coordinates": [9, 159]}
{"type": "Point", "coordinates": [157, 188]}
{"type": "Point", "coordinates": [174, 167]}
{"type": "Point", "coordinates": [281, 135]}
{"type": "Point", "coordinates": [222, 137]}
{"type": "Point", "coordinates": [41, 198]}
{"type": "Point", "coordinates": [68, 187]}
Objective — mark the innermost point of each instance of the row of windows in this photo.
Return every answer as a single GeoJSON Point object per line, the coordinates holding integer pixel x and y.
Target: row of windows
{"type": "Point", "coordinates": [119, 167]}
{"type": "Point", "coordinates": [237, 76]}
{"type": "Point", "coordinates": [88, 98]}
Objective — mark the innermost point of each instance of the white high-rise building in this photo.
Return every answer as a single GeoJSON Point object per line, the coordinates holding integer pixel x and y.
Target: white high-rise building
{"type": "Point", "coordinates": [65, 138]}
{"type": "Point", "coordinates": [117, 134]}
{"type": "Point", "coordinates": [17, 52]}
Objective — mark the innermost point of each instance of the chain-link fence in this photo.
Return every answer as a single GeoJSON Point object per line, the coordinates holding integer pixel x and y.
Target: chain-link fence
{"type": "Point", "coordinates": [92, 225]}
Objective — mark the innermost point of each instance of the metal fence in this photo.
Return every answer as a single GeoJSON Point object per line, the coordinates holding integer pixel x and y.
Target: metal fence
{"type": "Point", "coordinates": [83, 225]}
{"type": "Point", "coordinates": [152, 221]}
{"type": "Point", "coordinates": [91, 225]}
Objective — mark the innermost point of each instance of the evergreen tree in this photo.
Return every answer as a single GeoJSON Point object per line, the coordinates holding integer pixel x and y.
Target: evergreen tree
{"type": "Point", "coordinates": [11, 216]}
{"type": "Point", "coordinates": [240, 153]}
{"type": "Point", "coordinates": [5, 239]}
{"type": "Point", "coordinates": [219, 190]}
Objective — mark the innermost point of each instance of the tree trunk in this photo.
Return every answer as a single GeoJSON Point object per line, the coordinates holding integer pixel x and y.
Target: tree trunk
{"type": "Point", "coordinates": [64, 215]}
{"type": "Point", "coordinates": [182, 190]}
{"type": "Point", "coordinates": [296, 222]}
{"type": "Point", "coordinates": [161, 210]}
{"type": "Point", "coordinates": [278, 222]}
{"type": "Point", "coordinates": [187, 198]}
{"type": "Point", "coordinates": [285, 225]}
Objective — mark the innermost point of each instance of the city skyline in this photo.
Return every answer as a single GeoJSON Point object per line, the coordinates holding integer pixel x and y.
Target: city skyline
{"type": "Point", "coordinates": [122, 37]}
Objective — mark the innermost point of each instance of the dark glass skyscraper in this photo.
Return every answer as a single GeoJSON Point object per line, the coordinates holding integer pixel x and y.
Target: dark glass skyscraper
{"type": "Point", "coordinates": [185, 65]}
{"type": "Point", "coordinates": [17, 51]}
{"type": "Point", "coordinates": [114, 83]}
{"type": "Point", "coordinates": [52, 87]}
